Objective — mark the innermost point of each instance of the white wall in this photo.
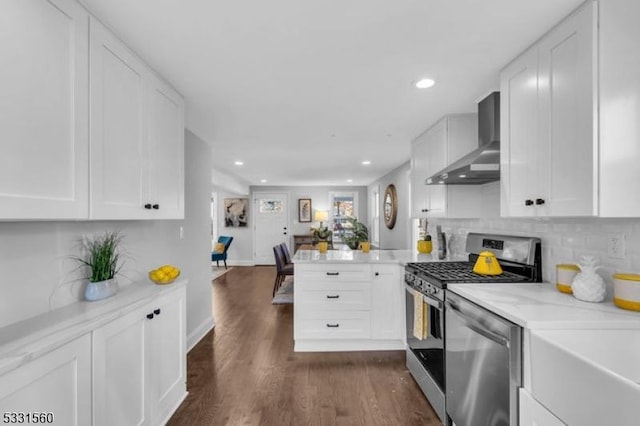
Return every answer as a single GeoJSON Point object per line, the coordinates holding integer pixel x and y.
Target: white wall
{"type": "Point", "coordinates": [319, 201]}
{"type": "Point", "coordinates": [563, 240]}
{"type": "Point", "coordinates": [38, 275]}
{"type": "Point", "coordinates": [399, 237]}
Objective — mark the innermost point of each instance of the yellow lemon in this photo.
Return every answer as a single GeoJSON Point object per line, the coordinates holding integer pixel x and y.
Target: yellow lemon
{"type": "Point", "coordinates": [166, 269]}
{"type": "Point", "coordinates": [174, 274]}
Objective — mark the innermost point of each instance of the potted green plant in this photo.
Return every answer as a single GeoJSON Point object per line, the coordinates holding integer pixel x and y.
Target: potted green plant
{"type": "Point", "coordinates": [356, 232]}
{"type": "Point", "coordinates": [102, 262]}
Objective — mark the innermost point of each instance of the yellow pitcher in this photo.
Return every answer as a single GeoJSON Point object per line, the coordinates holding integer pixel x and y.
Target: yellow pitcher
{"type": "Point", "coordinates": [425, 246]}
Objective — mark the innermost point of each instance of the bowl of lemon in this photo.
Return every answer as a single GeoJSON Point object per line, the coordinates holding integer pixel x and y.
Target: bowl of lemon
{"type": "Point", "coordinates": [165, 274]}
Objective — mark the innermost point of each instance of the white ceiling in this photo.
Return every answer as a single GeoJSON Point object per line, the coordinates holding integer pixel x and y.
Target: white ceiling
{"type": "Point", "coordinates": [302, 91]}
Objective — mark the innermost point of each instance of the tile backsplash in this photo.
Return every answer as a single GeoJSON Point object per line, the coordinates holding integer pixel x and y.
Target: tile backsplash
{"type": "Point", "coordinates": [563, 240]}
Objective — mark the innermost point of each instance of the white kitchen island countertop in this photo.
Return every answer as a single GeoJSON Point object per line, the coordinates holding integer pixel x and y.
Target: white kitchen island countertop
{"type": "Point", "coordinates": [541, 306]}
{"type": "Point", "coordinates": [400, 257]}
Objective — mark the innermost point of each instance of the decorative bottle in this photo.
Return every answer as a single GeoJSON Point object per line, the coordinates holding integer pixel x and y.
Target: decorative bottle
{"type": "Point", "coordinates": [588, 285]}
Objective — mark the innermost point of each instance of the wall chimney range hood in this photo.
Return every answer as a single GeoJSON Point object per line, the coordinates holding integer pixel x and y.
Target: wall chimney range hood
{"type": "Point", "coordinates": [483, 164]}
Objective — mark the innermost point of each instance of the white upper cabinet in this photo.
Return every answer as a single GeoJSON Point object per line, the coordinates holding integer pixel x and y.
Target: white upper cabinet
{"type": "Point", "coordinates": [88, 130]}
{"type": "Point", "coordinates": [548, 117]}
{"type": "Point", "coordinates": [446, 141]}
{"type": "Point", "coordinates": [137, 136]}
{"type": "Point", "coordinates": [43, 110]}
{"type": "Point", "coordinates": [619, 68]}
{"type": "Point", "coordinates": [118, 128]}
{"type": "Point", "coordinates": [166, 151]}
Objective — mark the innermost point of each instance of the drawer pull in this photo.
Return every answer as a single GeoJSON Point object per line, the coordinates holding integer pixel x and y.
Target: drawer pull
{"type": "Point", "coordinates": [337, 296]}
{"type": "Point", "coordinates": [333, 274]}
{"type": "Point", "coordinates": [333, 325]}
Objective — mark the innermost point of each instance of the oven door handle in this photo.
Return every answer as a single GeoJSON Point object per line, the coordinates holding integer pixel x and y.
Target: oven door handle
{"type": "Point", "coordinates": [478, 328]}
{"type": "Point", "coordinates": [429, 300]}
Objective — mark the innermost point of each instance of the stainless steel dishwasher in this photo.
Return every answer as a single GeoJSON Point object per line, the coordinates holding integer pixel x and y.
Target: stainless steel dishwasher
{"type": "Point", "coordinates": [483, 358]}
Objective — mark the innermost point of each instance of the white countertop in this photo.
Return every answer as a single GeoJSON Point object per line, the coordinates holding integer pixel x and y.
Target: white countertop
{"type": "Point", "coordinates": [28, 339]}
{"type": "Point", "coordinates": [541, 306]}
{"type": "Point", "coordinates": [401, 257]}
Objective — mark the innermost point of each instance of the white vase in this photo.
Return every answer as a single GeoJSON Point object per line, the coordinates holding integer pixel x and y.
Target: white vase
{"type": "Point", "coordinates": [101, 289]}
{"type": "Point", "coordinates": [588, 286]}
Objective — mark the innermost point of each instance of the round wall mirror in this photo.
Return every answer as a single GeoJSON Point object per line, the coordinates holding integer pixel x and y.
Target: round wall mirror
{"type": "Point", "coordinates": [390, 206]}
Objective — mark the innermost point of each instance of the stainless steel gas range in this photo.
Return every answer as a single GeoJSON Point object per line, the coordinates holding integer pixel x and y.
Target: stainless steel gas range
{"type": "Point", "coordinates": [426, 303]}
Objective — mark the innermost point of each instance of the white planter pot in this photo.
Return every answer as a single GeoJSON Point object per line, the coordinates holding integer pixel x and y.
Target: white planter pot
{"type": "Point", "coordinates": [101, 289]}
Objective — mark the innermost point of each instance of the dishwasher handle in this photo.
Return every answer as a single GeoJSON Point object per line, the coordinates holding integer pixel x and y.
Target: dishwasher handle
{"type": "Point", "coordinates": [474, 324]}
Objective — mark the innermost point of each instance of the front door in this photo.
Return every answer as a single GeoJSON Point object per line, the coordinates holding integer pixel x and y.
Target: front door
{"type": "Point", "coordinates": [271, 224]}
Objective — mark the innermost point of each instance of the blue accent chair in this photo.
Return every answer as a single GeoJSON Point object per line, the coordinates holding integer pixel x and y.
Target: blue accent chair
{"type": "Point", "coordinates": [217, 257]}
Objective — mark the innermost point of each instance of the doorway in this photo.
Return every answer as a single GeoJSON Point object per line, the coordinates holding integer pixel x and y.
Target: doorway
{"type": "Point", "coordinates": [271, 224]}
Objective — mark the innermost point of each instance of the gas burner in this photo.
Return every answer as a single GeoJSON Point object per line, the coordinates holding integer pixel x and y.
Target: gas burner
{"type": "Point", "coordinates": [460, 272]}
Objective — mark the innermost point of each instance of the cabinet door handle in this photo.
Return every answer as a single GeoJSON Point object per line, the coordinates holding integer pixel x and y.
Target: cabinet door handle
{"type": "Point", "coordinates": [424, 210]}
{"type": "Point", "coordinates": [156, 206]}
{"type": "Point", "coordinates": [333, 274]}
{"type": "Point", "coordinates": [539, 201]}
{"type": "Point", "coordinates": [157, 311]}
{"type": "Point", "coordinates": [528, 202]}
{"type": "Point", "coordinates": [337, 296]}
{"type": "Point", "coordinates": [147, 206]}
{"type": "Point", "coordinates": [333, 325]}
{"type": "Point", "coordinates": [377, 274]}
{"type": "Point", "coordinates": [150, 316]}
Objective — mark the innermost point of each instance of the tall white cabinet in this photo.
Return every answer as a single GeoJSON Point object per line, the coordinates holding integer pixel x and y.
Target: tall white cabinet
{"type": "Point", "coordinates": [43, 110]}
{"type": "Point", "coordinates": [548, 122]}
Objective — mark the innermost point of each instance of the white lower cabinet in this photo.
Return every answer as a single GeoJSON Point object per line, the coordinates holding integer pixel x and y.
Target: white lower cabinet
{"type": "Point", "coordinates": [139, 365]}
{"type": "Point", "coordinates": [54, 388]}
{"type": "Point", "coordinates": [387, 303]}
{"type": "Point", "coordinates": [532, 413]}
{"type": "Point", "coordinates": [348, 307]}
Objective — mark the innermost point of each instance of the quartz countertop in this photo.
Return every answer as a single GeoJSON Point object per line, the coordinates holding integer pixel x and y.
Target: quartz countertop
{"type": "Point", "coordinates": [541, 306]}
{"type": "Point", "coordinates": [401, 257]}
{"type": "Point", "coordinates": [28, 339]}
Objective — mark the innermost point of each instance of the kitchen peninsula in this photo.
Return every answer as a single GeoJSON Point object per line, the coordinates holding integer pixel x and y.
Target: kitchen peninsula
{"type": "Point", "coordinates": [348, 300]}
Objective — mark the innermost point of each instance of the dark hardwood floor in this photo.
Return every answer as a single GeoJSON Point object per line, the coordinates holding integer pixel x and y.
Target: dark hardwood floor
{"type": "Point", "coordinates": [246, 373]}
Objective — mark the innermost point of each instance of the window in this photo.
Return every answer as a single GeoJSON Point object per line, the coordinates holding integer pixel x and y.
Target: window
{"type": "Point", "coordinates": [344, 206]}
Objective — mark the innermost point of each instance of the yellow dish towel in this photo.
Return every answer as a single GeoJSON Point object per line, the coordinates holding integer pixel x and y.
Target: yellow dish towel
{"type": "Point", "coordinates": [420, 315]}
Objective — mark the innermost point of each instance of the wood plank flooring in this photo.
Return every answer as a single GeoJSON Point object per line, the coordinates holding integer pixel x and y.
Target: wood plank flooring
{"type": "Point", "coordinates": [246, 373]}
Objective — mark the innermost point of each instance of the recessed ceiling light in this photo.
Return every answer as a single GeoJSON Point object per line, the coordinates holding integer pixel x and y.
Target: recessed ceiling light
{"type": "Point", "coordinates": [238, 163]}
{"type": "Point", "coordinates": [462, 176]}
{"type": "Point", "coordinates": [366, 162]}
{"type": "Point", "coordinates": [263, 181]}
{"type": "Point", "coordinates": [425, 83]}
{"type": "Point", "coordinates": [349, 180]}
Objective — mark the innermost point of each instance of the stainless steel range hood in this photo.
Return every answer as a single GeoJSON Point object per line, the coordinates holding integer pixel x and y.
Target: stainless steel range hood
{"type": "Point", "coordinates": [483, 164]}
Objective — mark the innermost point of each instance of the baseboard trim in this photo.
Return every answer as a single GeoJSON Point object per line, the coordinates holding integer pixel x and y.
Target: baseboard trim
{"type": "Point", "coordinates": [196, 335]}
{"type": "Point", "coordinates": [241, 263]}
{"type": "Point", "coordinates": [322, 345]}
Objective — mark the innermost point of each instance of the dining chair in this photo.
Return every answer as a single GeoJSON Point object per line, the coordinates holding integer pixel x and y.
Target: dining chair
{"type": "Point", "coordinates": [286, 254]}
{"type": "Point", "coordinates": [282, 270]}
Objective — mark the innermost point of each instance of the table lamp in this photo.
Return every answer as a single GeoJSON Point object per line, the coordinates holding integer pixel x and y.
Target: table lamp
{"type": "Point", "coordinates": [321, 216]}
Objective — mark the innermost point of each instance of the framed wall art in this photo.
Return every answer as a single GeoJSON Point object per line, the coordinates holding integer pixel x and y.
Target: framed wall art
{"type": "Point", "coordinates": [236, 212]}
{"type": "Point", "coordinates": [304, 210]}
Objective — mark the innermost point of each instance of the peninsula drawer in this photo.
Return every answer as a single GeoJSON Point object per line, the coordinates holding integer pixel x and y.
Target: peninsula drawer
{"type": "Point", "coordinates": [333, 272]}
{"type": "Point", "coordinates": [353, 296]}
{"type": "Point", "coordinates": [334, 325]}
